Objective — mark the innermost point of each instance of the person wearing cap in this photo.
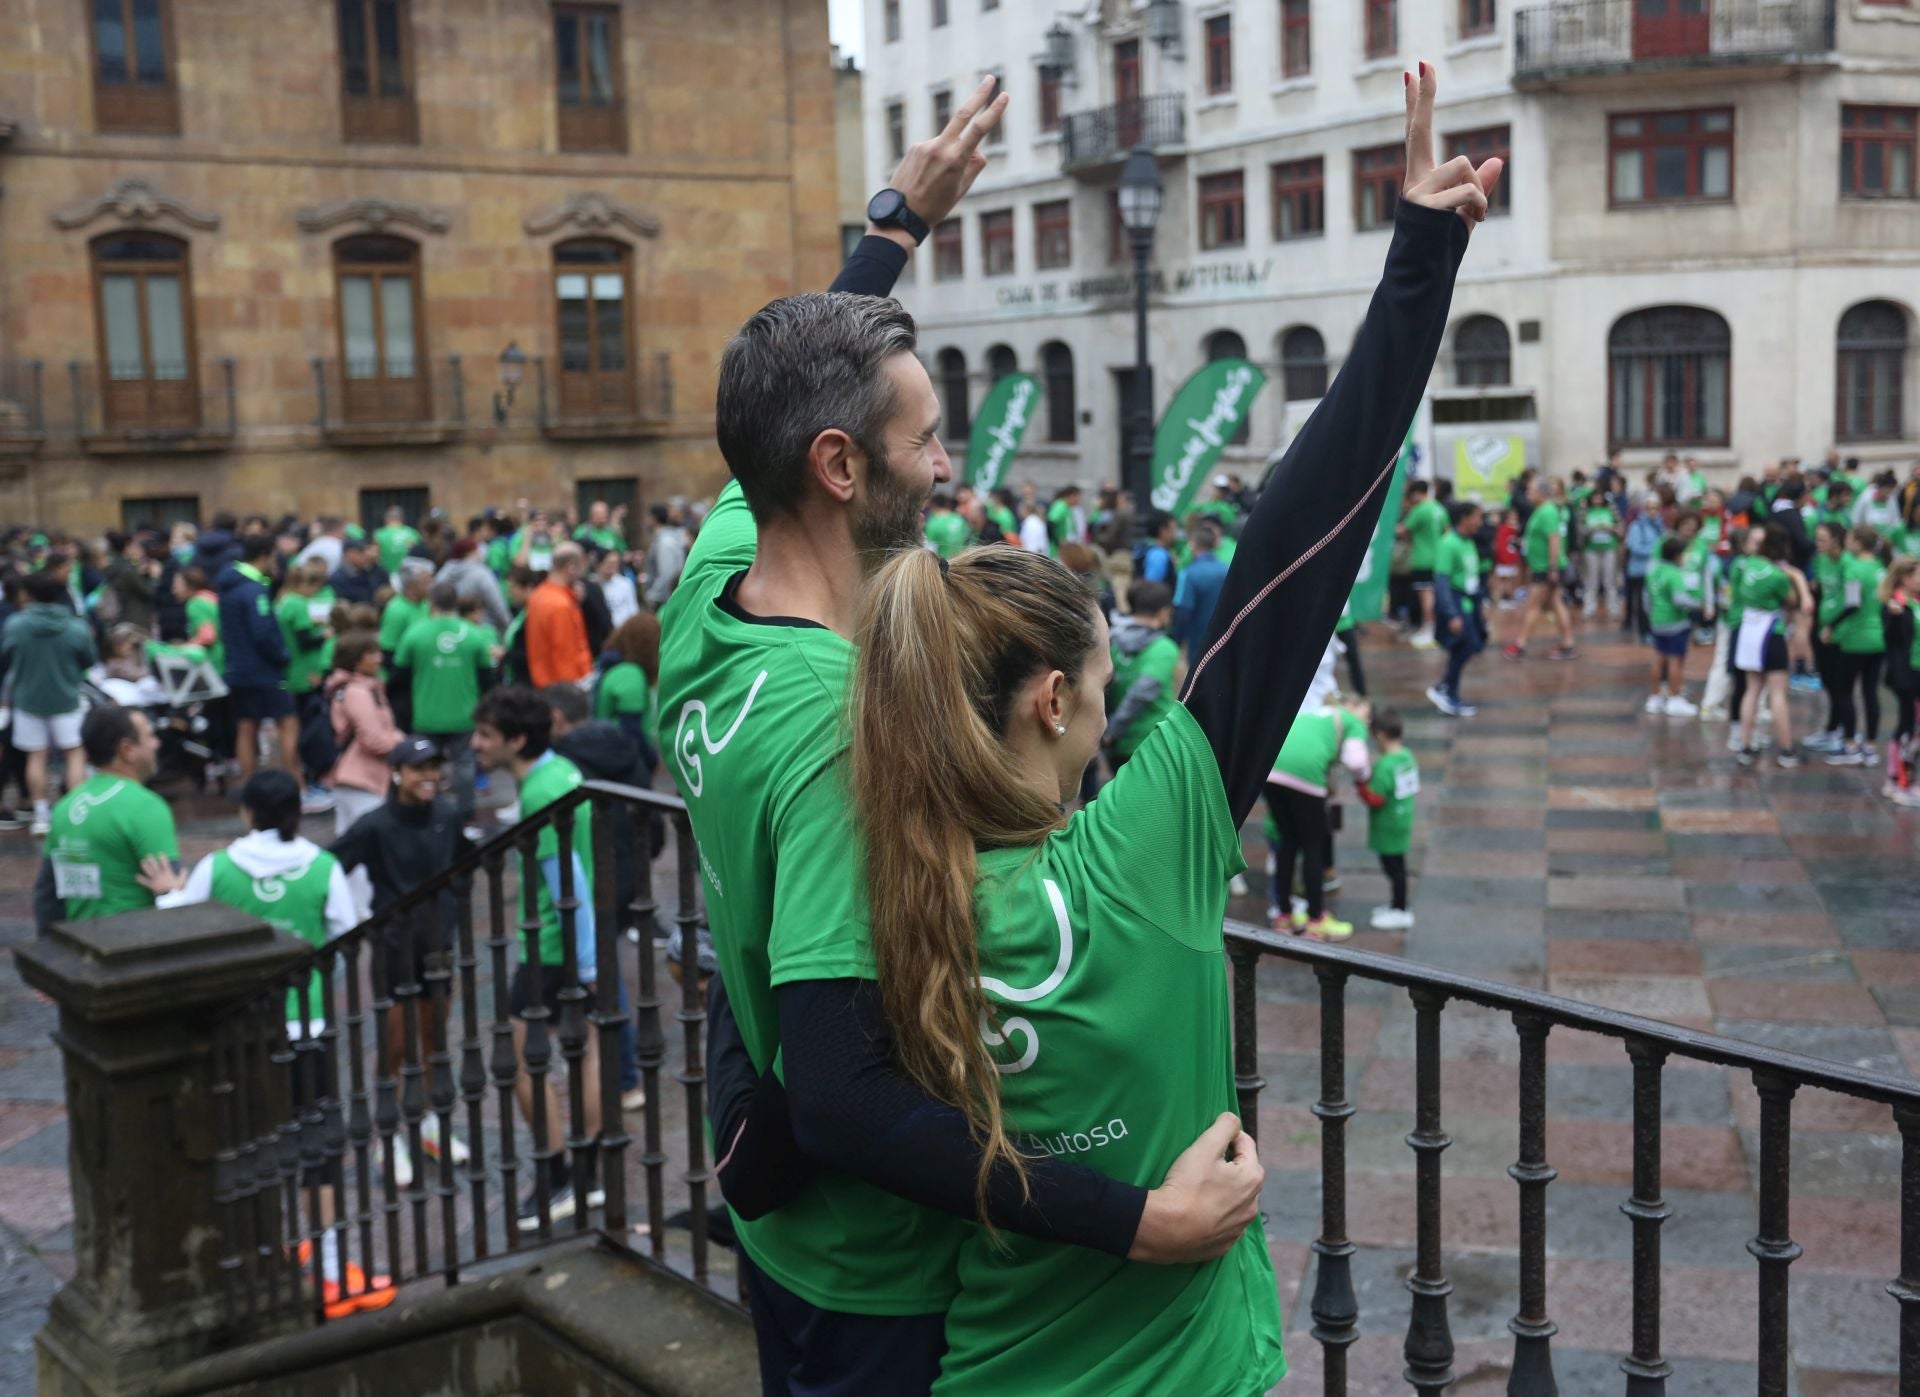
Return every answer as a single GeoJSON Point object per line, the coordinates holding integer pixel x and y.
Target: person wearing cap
{"type": "Point", "coordinates": [470, 576]}
{"type": "Point", "coordinates": [356, 579]}
{"type": "Point", "coordinates": [1224, 506]}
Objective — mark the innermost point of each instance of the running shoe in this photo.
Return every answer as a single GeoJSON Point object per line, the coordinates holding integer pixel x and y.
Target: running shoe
{"type": "Point", "coordinates": [1679, 707]}
{"type": "Point", "coordinates": [1390, 919]}
{"type": "Point", "coordinates": [40, 827]}
{"type": "Point", "coordinates": [1746, 756]}
{"type": "Point", "coordinates": [430, 1142]}
{"type": "Point", "coordinates": [402, 1161]}
{"type": "Point", "coordinates": [1562, 652]}
{"type": "Point", "coordinates": [1423, 640]}
{"type": "Point", "coordinates": [1440, 701]}
{"type": "Point", "coordinates": [1804, 684]}
{"type": "Point", "coordinates": [356, 1294]}
{"type": "Point", "coordinates": [1713, 713]}
{"type": "Point", "coordinates": [1908, 799]}
{"type": "Point", "coordinates": [11, 819]}
{"type": "Point", "coordinates": [1327, 927]}
{"type": "Point", "coordinates": [1237, 885]}
{"type": "Point", "coordinates": [1869, 756]}
{"type": "Point", "coordinates": [1824, 742]}
{"type": "Point", "coordinates": [1465, 710]}
{"type": "Point", "coordinates": [1514, 652]}
{"type": "Point", "coordinates": [1850, 755]}
{"type": "Point", "coordinates": [560, 1205]}
{"type": "Point", "coordinates": [1656, 703]}
{"type": "Point", "coordinates": [1789, 758]}
{"type": "Point", "coordinates": [633, 1099]}
{"type": "Point", "coordinates": [316, 800]}
{"type": "Point", "coordinates": [1733, 742]}
{"type": "Point", "coordinates": [1331, 883]}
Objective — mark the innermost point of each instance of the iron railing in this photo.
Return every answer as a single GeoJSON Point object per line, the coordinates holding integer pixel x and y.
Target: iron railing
{"type": "Point", "coordinates": [174, 407]}
{"type": "Point", "coordinates": [355, 400]}
{"type": "Point", "coordinates": [1573, 38]}
{"type": "Point", "coordinates": [1105, 134]}
{"type": "Point", "coordinates": [274, 1163]}
{"type": "Point", "coordinates": [606, 403]}
{"type": "Point", "coordinates": [1648, 1044]}
{"type": "Point", "coordinates": [22, 403]}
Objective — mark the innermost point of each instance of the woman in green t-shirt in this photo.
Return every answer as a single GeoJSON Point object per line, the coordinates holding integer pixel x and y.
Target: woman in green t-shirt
{"type": "Point", "coordinates": [1857, 632]}
{"type": "Point", "coordinates": [629, 689]}
{"type": "Point", "coordinates": [1766, 590]}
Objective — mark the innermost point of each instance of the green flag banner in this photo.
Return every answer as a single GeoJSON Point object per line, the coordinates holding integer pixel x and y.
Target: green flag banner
{"type": "Point", "coordinates": [997, 428]}
{"type": "Point", "coordinates": [1200, 420]}
{"type": "Point", "coordinates": [1369, 598]}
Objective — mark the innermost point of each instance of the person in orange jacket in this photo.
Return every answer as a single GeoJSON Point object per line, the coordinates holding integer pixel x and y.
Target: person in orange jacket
{"type": "Point", "coordinates": [556, 630]}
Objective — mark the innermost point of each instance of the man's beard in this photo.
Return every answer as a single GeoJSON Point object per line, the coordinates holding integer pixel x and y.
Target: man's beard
{"type": "Point", "coordinates": [889, 518]}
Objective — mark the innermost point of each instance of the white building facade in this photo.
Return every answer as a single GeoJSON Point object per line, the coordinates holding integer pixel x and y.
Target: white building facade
{"type": "Point", "coordinates": [1707, 239]}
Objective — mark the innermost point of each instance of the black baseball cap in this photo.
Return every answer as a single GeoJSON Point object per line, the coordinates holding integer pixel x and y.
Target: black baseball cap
{"type": "Point", "coordinates": [414, 750]}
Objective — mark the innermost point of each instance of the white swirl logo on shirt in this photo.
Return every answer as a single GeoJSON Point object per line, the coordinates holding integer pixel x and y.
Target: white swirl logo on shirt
{"type": "Point", "coordinates": [84, 803]}
{"type": "Point", "coordinates": [693, 774]}
{"type": "Point", "coordinates": [1002, 990]}
{"type": "Point", "coordinates": [448, 641]}
{"type": "Point", "coordinates": [269, 889]}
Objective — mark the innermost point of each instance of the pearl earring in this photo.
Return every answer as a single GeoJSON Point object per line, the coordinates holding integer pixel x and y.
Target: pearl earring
{"type": "Point", "coordinates": [1060, 728]}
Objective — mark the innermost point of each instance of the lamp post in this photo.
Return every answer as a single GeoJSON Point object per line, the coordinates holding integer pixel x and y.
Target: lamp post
{"type": "Point", "coordinates": [1140, 198]}
{"type": "Point", "coordinates": [513, 367]}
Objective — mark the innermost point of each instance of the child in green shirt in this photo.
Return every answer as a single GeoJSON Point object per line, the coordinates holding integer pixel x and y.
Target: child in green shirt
{"type": "Point", "coordinates": [1390, 794]}
{"type": "Point", "coordinates": [1670, 604]}
{"type": "Point", "coordinates": [1146, 664]}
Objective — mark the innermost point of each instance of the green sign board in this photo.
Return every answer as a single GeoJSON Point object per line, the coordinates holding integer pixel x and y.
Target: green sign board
{"type": "Point", "coordinates": [997, 428]}
{"type": "Point", "coordinates": [1369, 598]}
{"type": "Point", "coordinates": [1200, 420]}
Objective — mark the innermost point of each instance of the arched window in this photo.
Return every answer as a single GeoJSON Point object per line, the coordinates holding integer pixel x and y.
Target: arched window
{"type": "Point", "coordinates": [1482, 353]}
{"type": "Point", "coordinates": [1668, 372]}
{"type": "Point", "coordinates": [1872, 373]}
{"type": "Point", "coordinates": [591, 285]}
{"type": "Point", "coordinates": [144, 301]}
{"type": "Point", "coordinates": [956, 412]}
{"type": "Point", "coordinates": [1225, 344]}
{"type": "Point", "coordinates": [1056, 362]}
{"type": "Point", "coordinates": [1001, 361]}
{"type": "Point", "coordinates": [382, 367]}
{"type": "Point", "coordinates": [1303, 364]}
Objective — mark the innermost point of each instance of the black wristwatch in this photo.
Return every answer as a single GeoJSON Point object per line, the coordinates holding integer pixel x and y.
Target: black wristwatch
{"type": "Point", "coordinates": [889, 210]}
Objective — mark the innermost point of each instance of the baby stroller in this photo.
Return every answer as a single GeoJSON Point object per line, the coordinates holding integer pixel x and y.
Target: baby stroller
{"type": "Point", "coordinates": [181, 695]}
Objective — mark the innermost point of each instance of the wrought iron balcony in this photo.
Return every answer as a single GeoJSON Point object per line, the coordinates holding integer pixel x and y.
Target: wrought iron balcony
{"type": "Point", "coordinates": [22, 401]}
{"type": "Point", "coordinates": [1103, 136]}
{"type": "Point", "coordinates": [1600, 38]}
{"type": "Point", "coordinates": [157, 406]}
{"type": "Point", "coordinates": [604, 401]}
{"type": "Point", "coordinates": [368, 404]}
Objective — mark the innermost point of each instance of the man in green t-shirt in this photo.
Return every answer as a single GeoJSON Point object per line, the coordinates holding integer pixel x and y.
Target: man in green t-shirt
{"type": "Point", "coordinates": [1544, 544]}
{"type": "Point", "coordinates": [603, 530]}
{"type": "Point", "coordinates": [1459, 606]}
{"type": "Point", "coordinates": [407, 605]}
{"type": "Point", "coordinates": [444, 662]}
{"type": "Point", "coordinates": [1390, 794]}
{"type": "Point", "coordinates": [946, 532]}
{"type": "Point", "coordinates": [1425, 522]}
{"type": "Point", "coordinates": [512, 731]}
{"type": "Point", "coordinates": [111, 845]}
{"type": "Point", "coordinates": [1063, 520]}
{"type": "Point", "coordinates": [1146, 670]}
{"type": "Point", "coordinates": [395, 539]}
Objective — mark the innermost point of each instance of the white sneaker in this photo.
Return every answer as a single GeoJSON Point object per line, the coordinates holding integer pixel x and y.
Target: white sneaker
{"type": "Point", "coordinates": [1908, 799]}
{"type": "Point", "coordinates": [1824, 742]}
{"type": "Point", "coordinates": [1383, 919]}
{"type": "Point", "coordinates": [402, 1160]}
{"type": "Point", "coordinates": [1423, 640]}
{"type": "Point", "coordinates": [1442, 702]}
{"type": "Point", "coordinates": [430, 1142]}
{"type": "Point", "coordinates": [1679, 707]}
{"type": "Point", "coordinates": [1734, 744]}
{"type": "Point", "coordinates": [1237, 885]}
{"type": "Point", "coordinates": [41, 826]}
{"type": "Point", "coordinates": [1713, 713]}
{"type": "Point", "coordinates": [1656, 703]}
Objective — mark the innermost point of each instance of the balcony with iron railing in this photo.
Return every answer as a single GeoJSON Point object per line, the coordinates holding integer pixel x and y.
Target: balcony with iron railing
{"type": "Point", "coordinates": [364, 403]}
{"type": "Point", "coordinates": [1093, 140]}
{"type": "Point", "coordinates": [1568, 40]}
{"type": "Point", "coordinates": [185, 406]}
{"type": "Point", "coordinates": [22, 406]}
{"type": "Point", "coordinates": [583, 401]}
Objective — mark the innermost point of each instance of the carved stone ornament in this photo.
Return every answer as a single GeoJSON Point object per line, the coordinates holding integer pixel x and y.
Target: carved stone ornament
{"type": "Point", "coordinates": [133, 200]}
{"type": "Point", "coordinates": [591, 213]}
{"type": "Point", "coordinates": [377, 214]}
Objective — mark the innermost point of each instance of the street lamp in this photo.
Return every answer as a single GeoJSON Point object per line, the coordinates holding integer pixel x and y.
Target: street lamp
{"type": "Point", "coordinates": [513, 367]}
{"type": "Point", "coordinates": [1140, 197]}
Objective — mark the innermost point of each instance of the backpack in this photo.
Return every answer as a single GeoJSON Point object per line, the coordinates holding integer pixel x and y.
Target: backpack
{"type": "Point", "coordinates": [319, 747]}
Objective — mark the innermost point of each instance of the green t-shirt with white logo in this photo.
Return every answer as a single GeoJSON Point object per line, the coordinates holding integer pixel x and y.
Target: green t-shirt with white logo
{"type": "Point", "coordinates": [1827, 582]}
{"type": "Point", "coordinates": [307, 664]}
{"type": "Point", "coordinates": [1670, 600]}
{"type": "Point", "coordinates": [1426, 522]}
{"type": "Point", "coordinates": [1103, 958]}
{"type": "Point", "coordinates": [1543, 527]}
{"type": "Point", "coordinates": [1458, 560]}
{"type": "Point", "coordinates": [551, 778]}
{"type": "Point", "coordinates": [295, 903]}
{"type": "Point", "coordinates": [1763, 586]}
{"type": "Point", "coordinates": [99, 832]}
{"type": "Point", "coordinates": [948, 533]}
{"type": "Point", "coordinates": [1865, 631]}
{"type": "Point", "coordinates": [394, 541]}
{"type": "Point", "coordinates": [445, 655]}
{"type": "Point", "coordinates": [1396, 777]}
{"type": "Point", "coordinates": [1600, 526]}
{"type": "Point", "coordinates": [751, 728]}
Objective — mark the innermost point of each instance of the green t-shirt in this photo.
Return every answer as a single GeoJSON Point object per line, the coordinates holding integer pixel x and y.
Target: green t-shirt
{"type": "Point", "coordinates": [606, 540]}
{"type": "Point", "coordinates": [1004, 521]}
{"type": "Point", "coordinates": [551, 778]}
{"type": "Point", "coordinates": [1458, 560]}
{"type": "Point", "coordinates": [1543, 527]}
{"type": "Point", "coordinates": [1763, 586]}
{"type": "Point", "coordinates": [295, 903]}
{"type": "Point", "coordinates": [1600, 526]}
{"type": "Point", "coordinates": [1313, 743]}
{"type": "Point", "coordinates": [1396, 777]}
{"type": "Point", "coordinates": [1670, 599]}
{"type": "Point", "coordinates": [1426, 522]}
{"type": "Point", "coordinates": [751, 726]}
{"type": "Point", "coordinates": [100, 830]}
{"type": "Point", "coordinates": [1737, 572]}
{"type": "Point", "coordinates": [1864, 632]}
{"type": "Point", "coordinates": [1103, 955]}
{"type": "Point", "coordinates": [948, 533]}
{"type": "Point", "coordinates": [1826, 579]}
{"type": "Point", "coordinates": [446, 655]}
{"type": "Point", "coordinates": [397, 620]}
{"type": "Point", "coordinates": [203, 610]}
{"type": "Point", "coordinates": [500, 557]}
{"type": "Point", "coordinates": [303, 619]}
{"type": "Point", "coordinates": [1155, 660]}
{"type": "Point", "coordinates": [394, 541]}
{"type": "Point", "coordinates": [624, 691]}
{"type": "Point", "coordinates": [1059, 526]}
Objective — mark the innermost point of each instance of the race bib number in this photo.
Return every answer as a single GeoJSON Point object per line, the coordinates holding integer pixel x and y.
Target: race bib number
{"type": "Point", "coordinates": [76, 879]}
{"type": "Point", "coordinates": [319, 612]}
{"type": "Point", "coordinates": [1406, 785]}
{"type": "Point", "coordinates": [540, 559]}
{"type": "Point", "coordinates": [1471, 586]}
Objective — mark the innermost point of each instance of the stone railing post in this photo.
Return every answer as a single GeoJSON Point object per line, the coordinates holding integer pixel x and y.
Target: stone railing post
{"type": "Point", "coordinates": [137, 995]}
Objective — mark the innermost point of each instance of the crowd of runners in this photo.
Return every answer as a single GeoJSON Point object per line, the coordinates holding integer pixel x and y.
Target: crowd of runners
{"type": "Point", "coordinates": [955, 1160]}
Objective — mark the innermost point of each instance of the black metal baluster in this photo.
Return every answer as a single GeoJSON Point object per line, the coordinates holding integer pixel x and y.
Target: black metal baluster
{"type": "Point", "coordinates": [439, 973]}
{"type": "Point", "coordinates": [309, 1125]}
{"type": "Point", "coordinates": [1906, 1287]}
{"type": "Point", "coordinates": [386, 1091]}
{"type": "Point", "coordinates": [259, 1181]}
{"type": "Point", "coordinates": [286, 1138]}
{"type": "Point", "coordinates": [1647, 1371]}
{"type": "Point", "coordinates": [608, 1019]}
{"type": "Point", "coordinates": [538, 1051]}
{"type": "Point", "coordinates": [573, 1024]}
{"type": "Point", "coordinates": [504, 1066]}
{"type": "Point", "coordinates": [1429, 1347]}
{"type": "Point", "coordinates": [693, 1016]}
{"type": "Point", "coordinates": [1533, 1332]}
{"type": "Point", "coordinates": [1774, 1246]}
{"type": "Point", "coordinates": [359, 1114]}
{"type": "Point", "coordinates": [473, 1067]}
{"type": "Point", "coordinates": [333, 1126]}
{"type": "Point", "coordinates": [413, 1089]}
{"type": "Point", "coordinates": [1247, 1081]}
{"type": "Point", "coordinates": [650, 1044]}
{"type": "Point", "coordinates": [1336, 1313]}
{"type": "Point", "coordinates": [226, 1173]}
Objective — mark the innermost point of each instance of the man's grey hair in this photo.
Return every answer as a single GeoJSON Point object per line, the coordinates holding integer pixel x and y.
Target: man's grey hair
{"type": "Point", "coordinates": [801, 366]}
{"type": "Point", "coordinates": [413, 570]}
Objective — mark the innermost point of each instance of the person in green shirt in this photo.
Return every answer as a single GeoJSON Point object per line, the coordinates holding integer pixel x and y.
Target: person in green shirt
{"type": "Point", "coordinates": [1829, 593]}
{"type": "Point", "coordinates": [1544, 544]}
{"type": "Point", "coordinates": [1425, 523]}
{"type": "Point", "coordinates": [407, 605]}
{"type": "Point", "coordinates": [395, 539]}
{"type": "Point", "coordinates": [1600, 535]}
{"type": "Point", "coordinates": [1390, 794]}
{"type": "Point", "coordinates": [1669, 616]}
{"type": "Point", "coordinates": [1460, 606]}
{"type": "Point", "coordinates": [305, 613]}
{"type": "Point", "coordinates": [1859, 639]}
{"type": "Point", "coordinates": [443, 662]}
{"type": "Point", "coordinates": [1297, 828]}
{"type": "Point", "coordinates": [111, 843]}
{"type": "Point", "coordinates": [1767, 589]}
{"type": "Point", "coordinates": [1063, 523]}
{"type": "Point", "coordinates": [1146, 670]}
{"type": "Point", "coordinates": [1001, 511]}
{"type": "Point", "coordinates": [946, 532]}
{"type": "Point", "coordinates": [513, 731]}
{"type": "Point", "coordinates": [496, 532]}
{"type": "Point", "coordinates": [195, 593]}
{"type": "Point", "coordinates": [604, 530]}
{"type": "Point", "coordinates": [629, 691]}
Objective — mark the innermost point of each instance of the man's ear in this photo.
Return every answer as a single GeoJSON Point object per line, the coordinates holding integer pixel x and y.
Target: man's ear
{"type": "Point", "coordinates": [834, 462]}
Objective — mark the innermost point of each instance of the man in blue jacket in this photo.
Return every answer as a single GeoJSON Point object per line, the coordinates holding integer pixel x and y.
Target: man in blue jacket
{"type": "Point", "coordinates": [256, 656]}
{"type": "Point", "coordinates": [1198, 590]}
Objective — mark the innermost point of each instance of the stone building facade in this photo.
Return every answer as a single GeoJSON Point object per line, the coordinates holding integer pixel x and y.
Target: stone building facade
{"type": "Point", "coordinates": [1748, 164]}
{"type": "Point", "coordinates": [291, 256]}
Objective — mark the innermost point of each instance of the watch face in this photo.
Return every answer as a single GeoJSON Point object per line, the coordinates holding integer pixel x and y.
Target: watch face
{"type": "Point", "coordinates": [886, 204]}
